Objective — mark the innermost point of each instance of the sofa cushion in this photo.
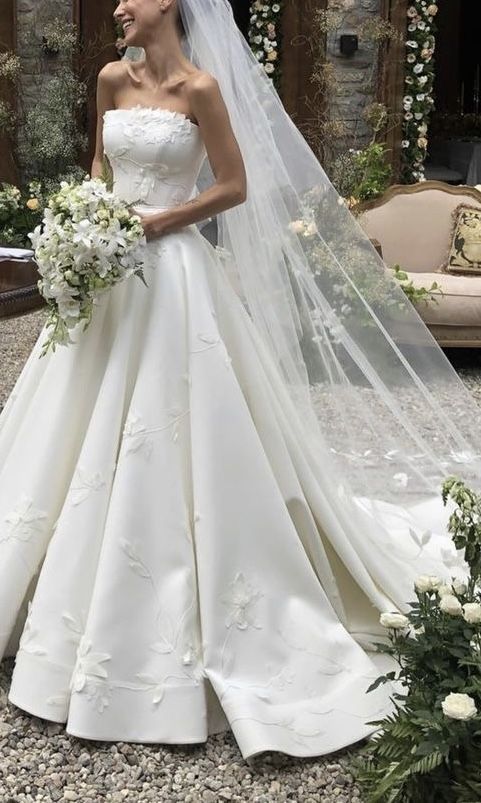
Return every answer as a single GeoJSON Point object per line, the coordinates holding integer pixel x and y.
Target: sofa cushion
{"type": "Point", "coordinates": [465, 252]}
{"type": "Point", "coordinates": [460, 304]}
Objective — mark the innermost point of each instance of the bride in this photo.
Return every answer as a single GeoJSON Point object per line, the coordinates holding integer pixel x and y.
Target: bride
{"type": "Point", "coordinates": [207, 500]}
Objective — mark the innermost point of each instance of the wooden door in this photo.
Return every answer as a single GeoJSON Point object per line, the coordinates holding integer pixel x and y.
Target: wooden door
{"type": "Point", "coordinates": [297, 60]}
{"type": "Point", "coordinates": [8, 171]}
{"type": "Point", "coordinates": [392, 67]}
{"type": "Point", "coordinates": [97, 45]}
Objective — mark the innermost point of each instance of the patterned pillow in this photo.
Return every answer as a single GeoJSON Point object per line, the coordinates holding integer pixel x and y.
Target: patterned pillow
{"type": "Point", "coordinates": [465, 252]}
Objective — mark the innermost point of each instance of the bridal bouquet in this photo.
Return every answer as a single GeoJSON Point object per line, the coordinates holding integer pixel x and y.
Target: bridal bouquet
{"type": "Point", "coordinates": [87, 242]}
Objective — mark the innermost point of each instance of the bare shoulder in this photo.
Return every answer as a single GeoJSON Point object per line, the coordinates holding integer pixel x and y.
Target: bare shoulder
{"type": "Point", "coordinates": [202, 84]}
{"type": "Point", "coordinates": [112, 73]}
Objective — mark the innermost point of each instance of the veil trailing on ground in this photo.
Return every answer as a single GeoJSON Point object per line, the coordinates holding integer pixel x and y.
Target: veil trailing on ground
{"type": "Point", "coordinates": [384, 413]}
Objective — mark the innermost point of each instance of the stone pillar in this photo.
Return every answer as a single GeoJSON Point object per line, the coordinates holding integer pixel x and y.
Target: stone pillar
{"type": "Point", "coordinates": [356, 75]}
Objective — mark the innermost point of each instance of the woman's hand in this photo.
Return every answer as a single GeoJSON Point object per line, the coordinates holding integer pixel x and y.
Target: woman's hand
{"type": "Point", "coordinates": [150, 225]}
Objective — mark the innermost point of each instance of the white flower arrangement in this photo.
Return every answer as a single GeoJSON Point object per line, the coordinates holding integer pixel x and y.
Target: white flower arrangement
{"type": "Point", "coordinates": [419, 78]}
{"type": "Point", "coordinates": [264, 34]}
{"type": "Point", "coordinates": [87, 242]}
{"type": "Point", "coordinates": [432, 739]}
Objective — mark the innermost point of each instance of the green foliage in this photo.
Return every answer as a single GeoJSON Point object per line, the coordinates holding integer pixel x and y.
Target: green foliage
{"type": "Point", "coordinates": [362, 174]}
{"type": "Point", "coordinates": [21, 210]}
{"type": "Point", "coordinates": [107, 174]}
{"type": "Point", "coordinates": [60, 36]}
{"type": "Point", "coordinates": [52, 137]}
{"type": "Point", "coordinates": [10, 66]}
{"type": "Point", "coordinates": [465, 524]}
{"type": "Point", "coordinates": [416, 295]}
{"type": "Point", "coordinates": [427, 751]}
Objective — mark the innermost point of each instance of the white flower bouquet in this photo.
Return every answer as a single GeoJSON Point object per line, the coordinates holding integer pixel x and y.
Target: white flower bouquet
{"type": "Point", "coordinates": [87, 242]}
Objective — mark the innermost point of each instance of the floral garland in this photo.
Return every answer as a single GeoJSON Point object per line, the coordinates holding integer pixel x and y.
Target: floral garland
{"type": "Point", "coordinates": [418, 101]}
{"type": "Point", "coordinates": [264, 35]}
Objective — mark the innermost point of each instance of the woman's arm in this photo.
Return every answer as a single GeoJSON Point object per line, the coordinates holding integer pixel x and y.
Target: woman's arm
{"type": "Point", "coordinates": [106, 83]}
{"type": "Point", "coordinates": [230, 188]}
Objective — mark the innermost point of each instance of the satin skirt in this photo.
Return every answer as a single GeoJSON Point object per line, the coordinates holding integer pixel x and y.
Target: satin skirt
{"type": "Point", "coordinates": [171, 565]}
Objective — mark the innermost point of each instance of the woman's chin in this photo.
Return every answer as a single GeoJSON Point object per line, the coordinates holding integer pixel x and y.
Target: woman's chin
{"type": "Point", "coordinates": [131, 40]}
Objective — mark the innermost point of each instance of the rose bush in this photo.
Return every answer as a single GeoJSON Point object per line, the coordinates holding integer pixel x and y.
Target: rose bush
{"type": "Point", "coordinates": [429, 749]}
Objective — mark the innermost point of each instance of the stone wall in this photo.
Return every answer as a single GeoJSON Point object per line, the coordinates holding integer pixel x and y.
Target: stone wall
{"type": "Point", "coordinates": [355, 75]}
{"type": "Point", "coordinates": [36, 66]}
{"type": "Point", "coordinates": [31, 17]}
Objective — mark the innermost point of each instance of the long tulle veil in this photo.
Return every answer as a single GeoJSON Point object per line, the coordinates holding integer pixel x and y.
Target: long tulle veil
{"type": "Point", "coordinates": [381, 415]}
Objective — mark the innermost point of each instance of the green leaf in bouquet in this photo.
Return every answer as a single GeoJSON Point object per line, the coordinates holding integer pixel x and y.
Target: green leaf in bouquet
{"type": "Point", "coordinates": [107, 175]}
{"type": "Point", "coordinates": [140, 273]}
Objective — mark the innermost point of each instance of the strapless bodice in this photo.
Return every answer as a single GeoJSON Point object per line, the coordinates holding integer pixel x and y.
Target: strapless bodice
{"type": "Point", "coordinates": [155, 154]}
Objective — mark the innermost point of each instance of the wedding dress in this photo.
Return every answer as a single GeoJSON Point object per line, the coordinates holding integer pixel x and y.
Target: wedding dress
{"type": "Point", "coordinates": [183, 563]}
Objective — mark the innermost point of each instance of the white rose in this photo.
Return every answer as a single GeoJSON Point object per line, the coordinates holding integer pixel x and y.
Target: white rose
{"type": "Point", "coordinates": [297, 226]}
{"type": "Point", "coordinates": [426, 583]}
{"type": "Point", "coordinates": [472, 613]}
{"type": "Point", "coordinates": [450, 604]}
{"type": "Point", "coordinates": [460, 587]}
{"type": "Point", "coordinates": [459, 706]}
{"type": "Point", "coordinates": [444, 589]}
{"type": "Point", "coordinates": [394, 621]}
{"type": "Point", "coordinates": [311, 230]}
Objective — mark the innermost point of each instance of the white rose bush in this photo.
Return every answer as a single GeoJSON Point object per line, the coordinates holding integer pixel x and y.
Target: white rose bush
{"type": "Point", "coordinates": [418, 101]}
{"type": "Point", "coordinates": [429, 749]}
{"type": "Point", "coordinates": [88, 242]}
{"type": "Point", "coordinates": [264, 35]}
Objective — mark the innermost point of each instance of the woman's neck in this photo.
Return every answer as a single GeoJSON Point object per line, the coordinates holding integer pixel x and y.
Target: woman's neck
{"type": "Point", "coordinates": [164, 59]}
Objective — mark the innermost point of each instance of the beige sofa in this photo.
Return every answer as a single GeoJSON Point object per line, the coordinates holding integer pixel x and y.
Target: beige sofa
{"type": "Point", "coordinates": [413, 224]}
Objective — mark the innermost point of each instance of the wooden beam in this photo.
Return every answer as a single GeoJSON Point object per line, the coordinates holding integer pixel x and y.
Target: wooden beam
{"type": "Point", "coordinates": [297, 60]}
{"type": "Point", "coordinates": [8, 41]}
{"type": "Point", "coordinates": [392, 66]}
{"type": "Point", "coordinates": [94, 19]}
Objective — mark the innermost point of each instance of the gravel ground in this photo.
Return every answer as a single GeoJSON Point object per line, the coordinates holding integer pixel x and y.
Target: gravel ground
{"type": "Point", "coordinates": [17, 336]}
{"type": "Point", "coordinates": [39, 762]}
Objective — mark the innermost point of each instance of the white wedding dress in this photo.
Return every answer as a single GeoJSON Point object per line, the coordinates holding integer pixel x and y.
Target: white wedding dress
{"type": "Point", "coordinates": [161, 520]}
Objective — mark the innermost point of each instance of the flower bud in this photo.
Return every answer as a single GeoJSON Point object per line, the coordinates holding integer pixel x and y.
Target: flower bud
{"type": "Point", "coordinates": [426, 583]}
